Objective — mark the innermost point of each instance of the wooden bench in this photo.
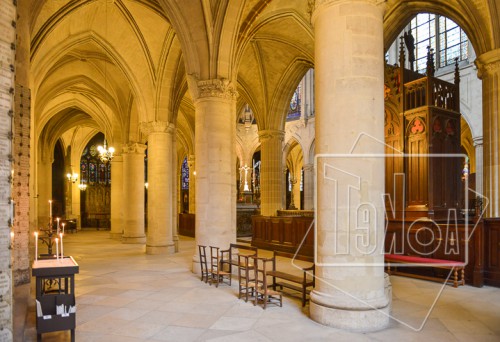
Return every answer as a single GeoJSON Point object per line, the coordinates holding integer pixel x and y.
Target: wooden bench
{"type": "Point", "coordinates": [454, 266]}
{"type": "Point", "coordinates": [229, 256]}
{"type": "Point", "coordinates": [302, 283]}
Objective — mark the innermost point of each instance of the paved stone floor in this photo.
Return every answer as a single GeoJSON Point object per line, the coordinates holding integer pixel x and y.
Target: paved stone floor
{"type": "Point", "coordinates": [125, 295]}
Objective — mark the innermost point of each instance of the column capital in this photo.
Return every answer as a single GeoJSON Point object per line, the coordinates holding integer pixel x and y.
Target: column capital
{"type": "Point", "coordinates": [488, 63]}
{"type": "Point", "coordinates": [477, 141]}
{"type": "Point", "coordinates": [134, 148]}
{"type": "Point", "coordinates": [218, 87]}
{"type": "Point", "coordinates": [316, 6]}
{"type": "Point", "coordinates": [268, 134]}
{"type": "Point", "coordinates": [157, 127]}
{"type": "Point", "coordinates": [308, 167]}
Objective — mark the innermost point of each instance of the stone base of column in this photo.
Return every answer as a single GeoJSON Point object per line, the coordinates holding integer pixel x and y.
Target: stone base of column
{"type": "Point", "coordinates": [134, 239]}
{"type": "Point", "coordinates": [116, 236]}
{"type": "Point", "coordinates": [355, 319]}
{"type": "Point", "coordinates": [169, 249]}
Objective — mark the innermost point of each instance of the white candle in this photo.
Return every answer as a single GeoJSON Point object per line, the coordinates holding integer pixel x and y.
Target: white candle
{"type": "Point", "coordinates": [62, 250]}
{"type": "Point", "coordinates": [63, 227]}
{"type": "Point", "coordinates": [57, 248]}
{"type": "Point", "coordinates": [36, 246]}
{"type": "Point", "coordinates": [57, 225]}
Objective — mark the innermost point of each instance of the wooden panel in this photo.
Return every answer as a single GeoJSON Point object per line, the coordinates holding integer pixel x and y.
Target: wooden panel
{"type": "Point", "coordinates": [283, 234]}
{"type": "Point", "coordinates": [492, 251]}
{"type": "Point", "coordinates": [438, 242]}
{"type": "Point", "coordinates": [187, 225]}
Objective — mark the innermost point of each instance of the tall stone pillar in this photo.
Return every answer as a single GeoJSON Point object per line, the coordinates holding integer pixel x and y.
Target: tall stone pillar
{"type": "Point", "coordinates": [478, 145]}
{"type": "Point", "coordinates": [308, 187]}
{"type": "Point", "coordinates": [351, 290]}
{"type": "Point", "coordinates": [271, 171]}
{"type": "Point", "coordinates": [215, 116]}
{"type": "Point", "coordinates": [489, 71]}
{"type": "Point", "coordinates": [117, 197]}
{"type": "Point", "coordinates": [160, 207]}
{"type": "Point", "coordinates": [133, 191]}
{"type": "Point", "coordinates": [8, 37]}
{"type": "Point", "coordinates": [175, 195]}
{"type": "Point", "coordinates": [192, 184]}
{"type": "Point", "coordinates": [44, 191]}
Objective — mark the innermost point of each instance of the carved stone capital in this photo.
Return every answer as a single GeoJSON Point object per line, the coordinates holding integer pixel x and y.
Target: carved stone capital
{"type": "Point", "coordinates": [488, 63]}
{"type": "Point", "coordinates": [157, 127]}
{"type": "Point", "coordinates": [308, 167]}
{"type": "Point", "coordinates": [218, 88]}
{"type": "Point", "coordinates": [268, 134]}
{"type": "Point", "coordinates": [477, 141]}
{"type": "Point", "coordinates": [134, 148]}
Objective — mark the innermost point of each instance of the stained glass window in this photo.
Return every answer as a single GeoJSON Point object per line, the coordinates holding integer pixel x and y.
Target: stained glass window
{"type": "Point", "coordinates": [185, 175]}
{"type": "Point", "coordinates": [92, 173]}
{"type": "Point", "coordinates": [295, 104]}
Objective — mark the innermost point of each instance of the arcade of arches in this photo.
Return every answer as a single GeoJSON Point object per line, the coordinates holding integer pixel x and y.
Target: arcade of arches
{"type": "Point", "coordinates": [231, 101]}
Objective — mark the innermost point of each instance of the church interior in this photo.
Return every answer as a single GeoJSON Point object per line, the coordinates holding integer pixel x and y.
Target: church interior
{"type": "Point", "coordinates": [167, 141]}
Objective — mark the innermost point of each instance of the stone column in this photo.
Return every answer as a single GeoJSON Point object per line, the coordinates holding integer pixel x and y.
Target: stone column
{"type": "Point", "coordinates": [215, 116]}
{"type": "Point", "coordinates": [7, 55]}
{"type": "Point", "coordinates": [192, 184]}
{"type": "Point", "coordinates": [271, 171]}
{"type": "Point", "coordinates": [351, 290]}
{"type": "Point", "coordinates": [160, 207]}
{"type": "Point", "coordinates": [175, 195]}
{"type": "Point", "coordinates": [117, 201]}
{"type": "Point", "coordinates": [308, 187]}
{"type": "Point", "coordinates": [133, 192]}
{"type": "Point", "coordinates": [44, 191]}
{"type": "Point", "coordinates": [489, 71]}
{"type": "Point", "coordinates": [478, 145]}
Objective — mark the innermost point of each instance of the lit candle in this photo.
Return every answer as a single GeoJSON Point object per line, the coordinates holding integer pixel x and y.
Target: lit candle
{"type": "Point", "coordinates": [57, 225]}
{"type": "Point", "coordinates": [36, 246]}
{"type": "Point", "coordinates": [62, 250]}
{"type": "Point", "coordinates": [57, 248]}
{"type": "Point", "coordinates": [63, 227]}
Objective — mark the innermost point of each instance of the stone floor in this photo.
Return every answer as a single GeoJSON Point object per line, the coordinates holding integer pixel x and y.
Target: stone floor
{"type": "Point", "coordinates": [125, 295]}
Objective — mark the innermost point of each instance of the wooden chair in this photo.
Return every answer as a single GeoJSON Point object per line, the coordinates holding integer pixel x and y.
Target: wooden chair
{"type": "Point", "coordinates": [217, 273]}
{"type": "Point", "coordinates": [246, 276]}
{"type": "Point", "coordinates": [203, 263]}
{"type": "Point", "coordinates": [263, 293]}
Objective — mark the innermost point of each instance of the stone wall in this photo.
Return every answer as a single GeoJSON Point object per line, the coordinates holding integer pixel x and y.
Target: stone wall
{"type": "Point", "coordinates": [7, 47]}
{"type": "Point", "coordinates": [20, 186]}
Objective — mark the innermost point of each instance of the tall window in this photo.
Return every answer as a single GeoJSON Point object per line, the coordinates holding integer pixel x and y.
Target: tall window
{"type": "Point", "coordinates": [295, 105]}
{"type": "Point", "coordinates": [452, 41]}
{"type": "Point", "coordinates": [185, 175]}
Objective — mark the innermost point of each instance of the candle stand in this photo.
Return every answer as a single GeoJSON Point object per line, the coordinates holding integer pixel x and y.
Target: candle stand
{"type": "Point", "coordinates": [55, 295]}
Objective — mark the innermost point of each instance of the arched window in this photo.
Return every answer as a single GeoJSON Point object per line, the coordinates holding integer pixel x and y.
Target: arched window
{"type": "Point", "coordinates": [451, 40]}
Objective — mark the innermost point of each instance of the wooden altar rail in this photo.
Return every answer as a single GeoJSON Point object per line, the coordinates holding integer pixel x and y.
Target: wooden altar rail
{"type": "Point", "coordinates": [284, 234]}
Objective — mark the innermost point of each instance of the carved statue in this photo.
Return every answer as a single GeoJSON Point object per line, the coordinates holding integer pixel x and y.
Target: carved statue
{"type": "Point", "coordinates": [410, 45]}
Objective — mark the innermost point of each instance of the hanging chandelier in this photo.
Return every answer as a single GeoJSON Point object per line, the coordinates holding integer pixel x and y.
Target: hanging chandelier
{"type": "Point", "coordinates": [105, 154]}
{"type": "Point", "coordinates": [82, 186]}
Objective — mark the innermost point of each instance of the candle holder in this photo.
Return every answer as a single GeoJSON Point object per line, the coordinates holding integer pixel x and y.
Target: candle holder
{"type": "Point", "coordinates": [47, 237]}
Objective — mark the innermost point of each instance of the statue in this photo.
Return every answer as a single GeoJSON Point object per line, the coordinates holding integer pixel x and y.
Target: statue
{"type": "Point", "coordinates": [410, 45]}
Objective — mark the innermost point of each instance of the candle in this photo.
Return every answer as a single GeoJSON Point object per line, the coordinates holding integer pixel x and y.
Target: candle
{"type": "Point", "coordinates": [57, 248]}
{"type": "Point", "coordinates": [62, 251]}
{"type": "Point", "coordinates": [36, 246]}
{"type": "Point", "coordinates": [57, 225]}
{"type": "Point", "coordinates": [63, 227]}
